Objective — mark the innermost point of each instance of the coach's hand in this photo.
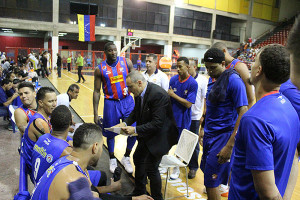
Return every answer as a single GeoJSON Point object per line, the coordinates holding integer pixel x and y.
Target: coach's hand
{"type": "Point", "coordinates": [129, 130]}
{"type": "Point", "coordinates": [224, 155]}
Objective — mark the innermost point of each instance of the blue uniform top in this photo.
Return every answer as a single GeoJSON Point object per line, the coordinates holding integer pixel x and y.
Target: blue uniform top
{"type": "Point", "coordinates": [186, 89]}
{"type": "Point", "coordinates": [42, 188]}
{"type": "Point", "coordinates": [233, 64]}
{"type": "Point", "coordinates": [27, 144]}
{"type": "Point", "coordinates": [266, 140]}
{"type": "Point", "coordinates": [114, 79]}
{"type": "Point", "coordinates": [221, 118]}
{"type": "Point", "coordinates": [46, 151]}
{"type": "Point", "coordinates": [291, 92]}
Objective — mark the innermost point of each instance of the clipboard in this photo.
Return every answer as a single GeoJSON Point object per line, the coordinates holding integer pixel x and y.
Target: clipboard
{"type": "Point", "coordinates": [118, 130]}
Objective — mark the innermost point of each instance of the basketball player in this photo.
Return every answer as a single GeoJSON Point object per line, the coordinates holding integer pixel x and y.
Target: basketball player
{"type": "Point", "coordinates": [293, 46]}
{"type": "Point", "coordinates": [268, 133]}
{"type": "Point", "coordinates": [183, 92]}
{"type": "Point", "coordinates": [38, 124]}
{"type": "Point", "coordinates": [51, 147]}
{"type": "Point", "coordinates": [226, 102]}
{"type": "Point", "coordinates": [240, 67]}
{"type": "Point", "coordinates": [28, 108]}
{"type": "Point", "coordinates": [118, 103]}
{"type": "Point", "coordinates": [88, 144]}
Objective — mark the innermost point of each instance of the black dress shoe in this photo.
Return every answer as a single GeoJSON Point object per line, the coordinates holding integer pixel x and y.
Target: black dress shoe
{"type": "Point", "coordinates": [77, 82]}
{"type": "Point", "coordinates": [192, 174]}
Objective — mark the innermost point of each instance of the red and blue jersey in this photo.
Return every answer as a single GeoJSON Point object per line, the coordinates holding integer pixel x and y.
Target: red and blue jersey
{"type": "Point", "coordinates": [29, 113]}
{"type": "Point", "coordinates": [114, 79]}
{"type": "Point", "coordinates": [233, 64]}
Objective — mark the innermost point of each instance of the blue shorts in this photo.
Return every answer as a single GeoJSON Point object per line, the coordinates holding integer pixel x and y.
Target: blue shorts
{"type": "Point", "coordinates": [114, 110]}
{"type": "Point", "coordinates": [214, 173]}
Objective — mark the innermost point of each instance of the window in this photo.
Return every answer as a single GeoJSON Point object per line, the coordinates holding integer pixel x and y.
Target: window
{"type": "Point", "coordinates": [192, 23]}
{"type": "Point", "coordinates": [140, 15]}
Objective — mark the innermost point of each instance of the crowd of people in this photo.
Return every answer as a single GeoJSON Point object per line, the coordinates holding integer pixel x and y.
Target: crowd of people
{"type": "Point", "coordinates": [249, 137]}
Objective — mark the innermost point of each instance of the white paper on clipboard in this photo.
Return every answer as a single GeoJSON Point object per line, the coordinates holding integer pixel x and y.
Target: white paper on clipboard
{"type": "Point", "coordinates": [118, 130]}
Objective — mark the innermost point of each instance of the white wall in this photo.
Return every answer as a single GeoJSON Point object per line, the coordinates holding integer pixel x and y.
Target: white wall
{"type": "Point", "coordinates": [288, 8]}
{"type": "Point", "coordinates": [259, 28]}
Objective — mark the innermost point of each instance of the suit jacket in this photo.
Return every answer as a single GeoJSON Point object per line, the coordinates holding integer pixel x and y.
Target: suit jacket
{"type": "Point", "coordinates": [155, 123]}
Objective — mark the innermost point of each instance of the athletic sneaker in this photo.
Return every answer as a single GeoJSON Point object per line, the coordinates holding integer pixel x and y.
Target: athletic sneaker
{"type": "Point", "coordinates": [224, 189]}
{"type": "Point", "coordinates": [113, 165]}
{"type": "Point", "coordinates": [126, 163]}
{"type": "Point", "coordinates": [175, 174]}
{"type": "Point", "coordinates": [162, 170]}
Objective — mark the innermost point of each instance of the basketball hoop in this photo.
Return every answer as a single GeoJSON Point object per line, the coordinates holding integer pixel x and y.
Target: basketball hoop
{"type": "Point", "coordinates": [133, 46]}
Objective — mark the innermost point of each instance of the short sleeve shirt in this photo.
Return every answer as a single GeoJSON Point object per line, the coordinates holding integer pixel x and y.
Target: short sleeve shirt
{"type": "Point", "coordinates": [266, 140]}
{"type": "Point", "coordinates": [63, 99]}
{"type": "Point", "coordinates": [186, 89]}
{"type": "Point", "coordinates": [291, 92]}
{"type": "Point", "coordinates": [221, 118]}
{"type": "Point", "coordinates": [197, 108]}
{"type": "Point", "coordinates": [159, 78]}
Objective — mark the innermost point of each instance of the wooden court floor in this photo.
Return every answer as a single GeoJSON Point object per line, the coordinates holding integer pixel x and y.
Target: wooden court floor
{"type": "Point", "coordinates": [83, 105]}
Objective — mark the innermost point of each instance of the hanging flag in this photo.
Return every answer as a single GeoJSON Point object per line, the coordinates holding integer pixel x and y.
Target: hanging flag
{"type": "Point", "coordinates": [86, 25]}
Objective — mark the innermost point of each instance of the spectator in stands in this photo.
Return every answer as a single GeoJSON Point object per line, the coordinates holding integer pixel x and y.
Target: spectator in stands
{"type": "Point", "coordinates": [5, 101]}
{"type": "Point", "coordinates": [240, 67]}
{"type": "Point", "coordinates": [293, 45]}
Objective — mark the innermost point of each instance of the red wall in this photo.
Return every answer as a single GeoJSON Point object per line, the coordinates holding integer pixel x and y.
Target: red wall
{"type": "Point", "coordinates": [30, 42]}
{"type": "Point", "coordinates": [9, 41]}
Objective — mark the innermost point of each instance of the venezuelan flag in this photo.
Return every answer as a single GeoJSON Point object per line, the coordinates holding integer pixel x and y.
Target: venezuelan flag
{"type": "Point", "coordinates": [86, 25]}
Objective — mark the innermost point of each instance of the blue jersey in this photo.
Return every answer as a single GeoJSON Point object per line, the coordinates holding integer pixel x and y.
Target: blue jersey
{"type": "Point", "coordinates": [221, 118]}
{"type": "Point", "coordinates": [41, 190]}
{"type": "Point", "coordinates": [114, 79]}
{"type": "Point", "coordinates": [186, 89]}
{"type": "Point", "coordinates": [28, 112]}
{"type": "Point", "coordinates": [233, 64]}
{"type": "Point", "coordinates": [291, 92]}
{"type": "Point", "coordinates": [266, 140]}
{"type": "Point", "coordinates": [27, 144]}
{"type": "Point", "coordinates": [46, 151]}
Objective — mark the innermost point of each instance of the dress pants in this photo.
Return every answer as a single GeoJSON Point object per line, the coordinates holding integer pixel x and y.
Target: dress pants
{"type": "Point", "coordinates": [80, 74]}
{"type": "Point", "coordinates": [146, 165]}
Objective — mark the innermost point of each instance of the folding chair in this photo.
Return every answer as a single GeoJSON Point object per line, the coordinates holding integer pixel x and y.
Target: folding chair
{"type": "Point", "coordinates": [11, 111]}
{"type": "Point", "coordinates": [184, 151]}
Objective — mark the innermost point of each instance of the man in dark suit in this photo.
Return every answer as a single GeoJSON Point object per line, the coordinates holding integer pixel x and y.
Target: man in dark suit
{"type": "Point", "coordinates": [155, 128]}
